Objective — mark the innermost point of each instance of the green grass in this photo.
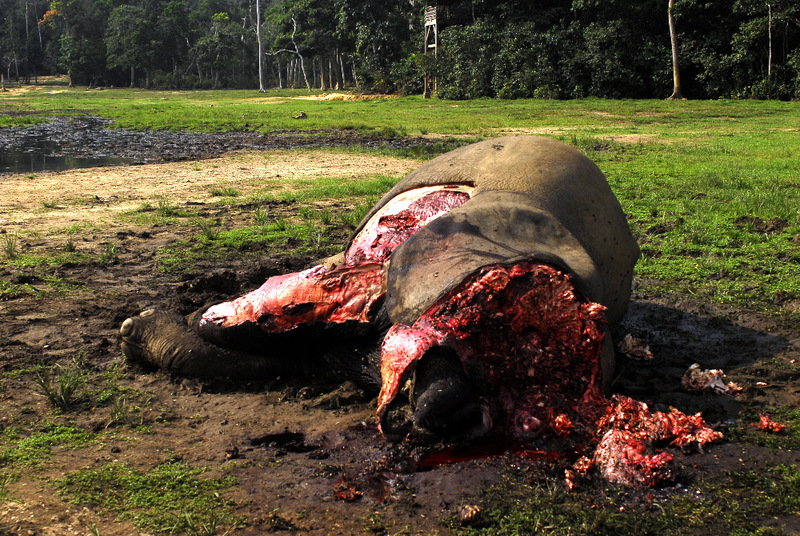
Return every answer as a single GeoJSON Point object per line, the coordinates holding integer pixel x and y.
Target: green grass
{"type": "Point", "coordinates": [718, 223]}
{"type": "Point", "coordinates": [16, 121]}
{"type": "Point", "coordinates": [227, 191]}
{"type": "Point", "coordinates": [62, 385]}
{"type": "Point", "coordinates": [171, 498]}
{"type": "Point", "coordinates": [215, 111]}
{"type": "Point", "coordinates": [729, 502]}
{"type": "Point", "coordinates": [303, 232]}
{"type": "Point", "coordinates": [19, 451]}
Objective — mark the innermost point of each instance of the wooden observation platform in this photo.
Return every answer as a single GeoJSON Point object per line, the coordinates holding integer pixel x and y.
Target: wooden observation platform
{"type": "Point", "coordinates": [431, 45]}
{"type": "Point", "coordinates": [444, 13]}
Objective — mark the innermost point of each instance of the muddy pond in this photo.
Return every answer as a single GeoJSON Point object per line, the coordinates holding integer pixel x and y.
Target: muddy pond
{"type": "Point", "coordinates": [72, 142]}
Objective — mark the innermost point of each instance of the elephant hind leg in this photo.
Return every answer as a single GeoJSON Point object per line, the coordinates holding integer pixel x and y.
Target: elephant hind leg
{"type": "Point", "coordinates": [158, 339]}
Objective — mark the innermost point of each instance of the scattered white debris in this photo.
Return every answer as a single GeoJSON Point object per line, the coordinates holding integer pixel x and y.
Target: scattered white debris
{"type": "Point", "coordinates": [696, 379]}
{"type": "Point", "coordinates": [634, 348]}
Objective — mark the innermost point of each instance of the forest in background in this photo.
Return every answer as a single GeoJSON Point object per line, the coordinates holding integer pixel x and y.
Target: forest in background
{"type": "Point", "coordinates": [509, 49]}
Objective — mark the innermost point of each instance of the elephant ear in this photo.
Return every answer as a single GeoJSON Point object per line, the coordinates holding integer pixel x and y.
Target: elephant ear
{"type": "Point", "coordinates": [492, 227]}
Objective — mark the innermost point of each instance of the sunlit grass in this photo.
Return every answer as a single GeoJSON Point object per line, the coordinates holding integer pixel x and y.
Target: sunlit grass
{"type": "Point", "coordinates": [400, 116]}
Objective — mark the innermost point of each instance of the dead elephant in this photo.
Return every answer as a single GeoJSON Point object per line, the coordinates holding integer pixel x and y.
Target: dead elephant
{"type": "Point", "coordinates": [490, 277]}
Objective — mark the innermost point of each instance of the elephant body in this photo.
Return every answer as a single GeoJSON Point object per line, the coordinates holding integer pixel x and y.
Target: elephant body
{"type": "Point", "coordinates": [513, 249]}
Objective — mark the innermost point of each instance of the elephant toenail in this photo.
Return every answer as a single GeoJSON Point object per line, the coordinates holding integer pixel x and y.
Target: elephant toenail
{"type": "Point", "coordinates": [127, 327]}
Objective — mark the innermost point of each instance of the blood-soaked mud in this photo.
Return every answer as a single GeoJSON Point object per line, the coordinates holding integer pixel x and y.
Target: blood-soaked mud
{"type": "Point", "coordinates": [307, 455]}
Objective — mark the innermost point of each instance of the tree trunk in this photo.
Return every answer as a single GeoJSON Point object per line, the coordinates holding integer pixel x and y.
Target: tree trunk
{"type": "Point", "coordinates": [335, 71]}
{"type": "Point", "coordinates": [260, 49]}
{"type": "Point", "coordinates": [341, 68]}
{"type": "Point", "coordinates": [322, 86]}
{"type": "Point", "coordinates": [133, 75]}
{"type": "Point", "coordinates": [676, 74]}
{"type": "Point", "coordinates": [769, 61]}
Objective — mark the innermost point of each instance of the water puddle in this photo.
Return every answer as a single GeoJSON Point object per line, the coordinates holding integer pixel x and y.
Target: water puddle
{"type": "Point", "coordinates": [70, 142]}
{"type": "Point", "coordinates": [62, 143]}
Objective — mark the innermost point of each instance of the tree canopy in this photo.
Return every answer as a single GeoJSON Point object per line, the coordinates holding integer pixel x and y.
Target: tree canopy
{"type": "Point", "coordinates": [505, 49]}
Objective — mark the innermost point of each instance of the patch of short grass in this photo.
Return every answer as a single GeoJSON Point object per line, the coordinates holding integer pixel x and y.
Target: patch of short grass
{"type": "Point", "coordinates": [168, 499]}
{"type": "Point", "coordinates": [718, 222]}
{"type": "Point", "coordinates": [10, 290]}
{"type": "Point", "coordinates": [17, 121]}
{"type": "Point", "coordinates": [224, 191]}
{"type": "Point", "coordinates": [305, 228]}
{"type": "Point", "coordinates": [48, 259]}
{"type": "Point", "coordinates": [10, 245]}
{"type": "Point", "coordinates": [730, 502]}
{"type": "Point", "coordinates": [110, 253]}
{"type": "Point", "coordinates": [35, 448]}
{"type": "Point", "coordinates": [215, 243]}
{"type": "Point", "coordinates": [161, 211]}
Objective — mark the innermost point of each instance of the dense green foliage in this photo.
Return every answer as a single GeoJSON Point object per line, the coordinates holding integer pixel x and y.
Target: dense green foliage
{"type": "Point", "coordinates": [507, 49]}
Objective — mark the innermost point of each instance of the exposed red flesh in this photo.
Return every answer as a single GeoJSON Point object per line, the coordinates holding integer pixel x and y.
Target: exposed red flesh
{"type": "Point", "coordinates": [533, 345]}
{"type": "Point", "coordinates": [630, 428]}
{"type": "Point", "coordinates": [406, 214]}
{"type": "Point", "coordinates": [348, 292]}
{"type": "Point", "coordinates": [315, 295]}
{"type": "Point", "coordinates": [622, 458]}
{"type": "Point", "coordinates": [522, 334]}
{"type": "Point", "coordinates": [766, 423]}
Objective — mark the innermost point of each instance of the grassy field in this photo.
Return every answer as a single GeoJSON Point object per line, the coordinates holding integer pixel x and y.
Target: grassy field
{"type": "Point", "coordinates": [712, 187]}
{"type": "Point", "coordinates": [712, 190]}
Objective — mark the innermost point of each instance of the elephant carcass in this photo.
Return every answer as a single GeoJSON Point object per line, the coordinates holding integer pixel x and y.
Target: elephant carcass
{"type": "Point", "coordinates": [491, 274]}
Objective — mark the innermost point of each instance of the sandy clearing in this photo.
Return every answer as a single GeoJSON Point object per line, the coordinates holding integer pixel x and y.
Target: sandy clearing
{"type": "Point", "coordinates": [86, 195]}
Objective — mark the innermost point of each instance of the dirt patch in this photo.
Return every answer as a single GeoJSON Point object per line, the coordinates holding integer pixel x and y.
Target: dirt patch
{"type": "Point", "coordinates": [58, 200]}
{"type": "Point", "coordinates": [306, 456]}
{"type": "Point", "coordinates": [758, 225]}
{"type": "Point", "coordinates": [347, 96]}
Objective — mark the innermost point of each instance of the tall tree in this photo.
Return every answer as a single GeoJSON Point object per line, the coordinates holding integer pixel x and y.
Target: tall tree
{"type": "Point", "coordinates": [260, 49]}
{"type": "Point", "coordinates": [676, 72]}
{"type": "Point", "coordinates": [129, 40]}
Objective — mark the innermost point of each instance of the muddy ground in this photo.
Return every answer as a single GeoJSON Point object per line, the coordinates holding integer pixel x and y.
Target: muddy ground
{"type": "Point", "coordinates": [90, 137]}
{"type": "Point", "coordinates": [306, 455]}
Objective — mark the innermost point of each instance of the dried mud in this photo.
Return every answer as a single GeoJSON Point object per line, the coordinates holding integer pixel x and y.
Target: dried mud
{"type": "Point", "coordinates": [306, 455]}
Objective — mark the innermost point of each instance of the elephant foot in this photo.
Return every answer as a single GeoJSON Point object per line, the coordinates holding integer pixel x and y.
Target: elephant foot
{"type": "Point", "coordinates": [158, 339]}
{"type": "Point", "coordinates": [445, 401]}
